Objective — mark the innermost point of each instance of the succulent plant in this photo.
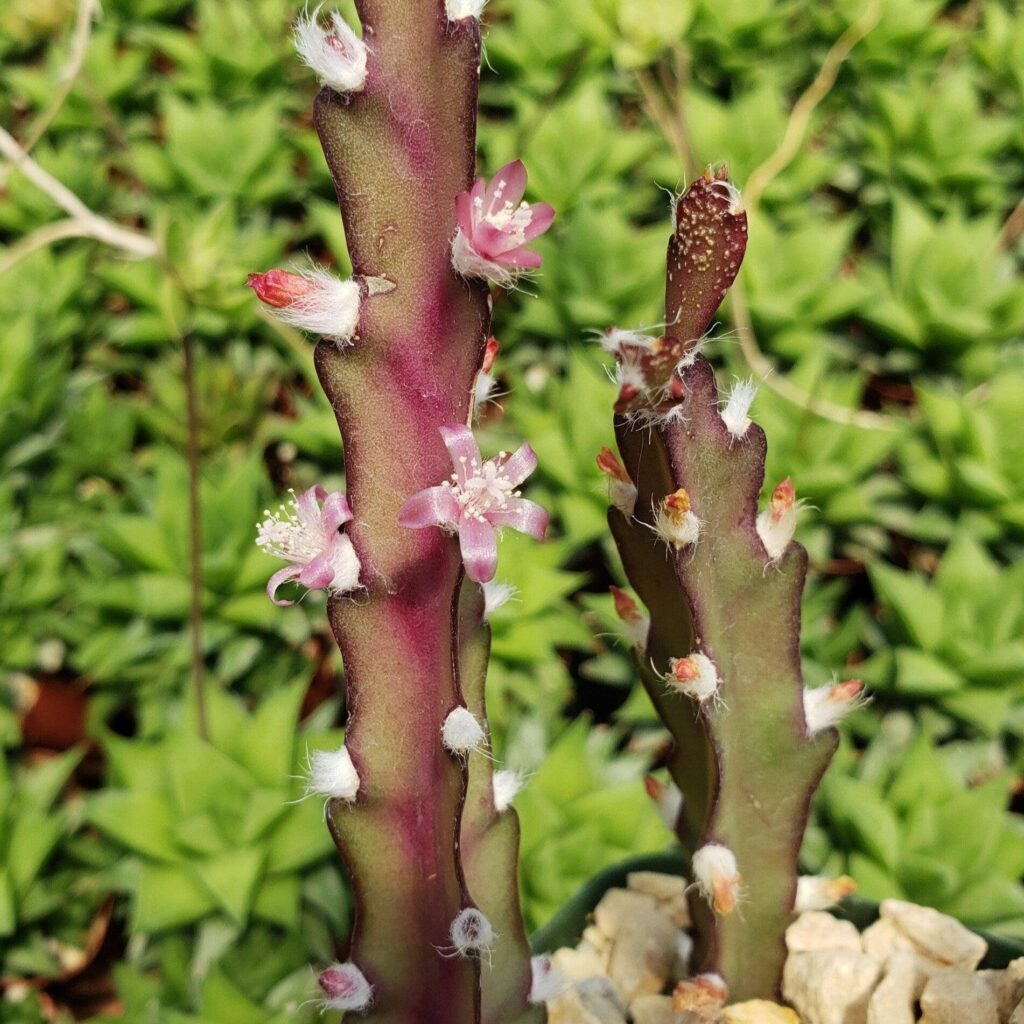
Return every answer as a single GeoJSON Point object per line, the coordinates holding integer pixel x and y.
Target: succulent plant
{"type": "Point", "coordinates": [719, 654]}
{"type": "Point", "coordinates": [421, 819]}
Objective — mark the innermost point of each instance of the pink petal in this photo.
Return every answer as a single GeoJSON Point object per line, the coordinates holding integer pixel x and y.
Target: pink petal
{"type": "Point", "coordinates": [542, 216]}
{"type": "Point", "coordinates": [522, 515]}
{"type": "Point", "coordinates": [479, 547]}
{"type": "Point", "coordinates": [514, 177]}
{"type": "Point", "coordinates": [520, 257]}
{"type": "Point", "coordinates": [290, 572]}
{"type": "Point", "coordinates": [520, 465]}
{"type": "Point", "coordinates": [307, 503]}
{"type": "Point", "coordinates": [433, 506]}
{"type": "Point", "coordinates": [491, 241]}
{"type": "Point", "coordinates": [319, 573]}
{"type": "Point", "coordinates": [464, 213]}
{"type": "Point", "coordinates": [335, 513]}
{"type": "Point", "coordinates": [463, 449]}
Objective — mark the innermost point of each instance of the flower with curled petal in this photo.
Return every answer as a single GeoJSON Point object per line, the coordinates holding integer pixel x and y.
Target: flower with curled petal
{"type": "Point", "coordinates": [479, 498]}
{"type": "Point", "coordinates": [495, 224]}
{"type": "Point", "coordinates": [307, 533]}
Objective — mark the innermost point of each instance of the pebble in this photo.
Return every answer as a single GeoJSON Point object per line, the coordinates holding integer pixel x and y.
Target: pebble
{"type": "Point", "coordinates": [1007, 986]}
{"type": "Point", "coordinates": [830, 986]}
{"type": "Point", "coordinates": [653, 1010]}
{"type": "Point", "coordinates": [618, 907]}
{"type": "Point", "coordinates": [949, 993]}
{"type": "Point", "coordinates": [895, 999]}
{"type": "Point", "coordinates": [642, 955]}
{"type": "Point", "coordinates": [937, 936]}
{"type": "Point", "coordinates": [668, 890]}
{"type": "Point", "coordinates": [816, 929]}
{"type": "Point", "coordinates": [758, 1011]}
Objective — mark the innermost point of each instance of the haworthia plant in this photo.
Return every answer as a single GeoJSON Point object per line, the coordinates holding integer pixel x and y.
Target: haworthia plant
{"type": "Point", "coordinates": [427, 838]}
{"type": "Point", "coordinates": [720, 656]}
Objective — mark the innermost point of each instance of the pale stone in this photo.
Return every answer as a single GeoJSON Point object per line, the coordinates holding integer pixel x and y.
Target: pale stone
{"type": "Point", "coordinates": [1007, 986]}
{"type": "Point", "coordinates": [618, 907]}
{"type": "Point", "coordinates": [758, 1011]}
{"type": "Point", "coordinates": [883, 938]}
{"type": "Point", "coordinates": [662, 887]}
{"type": "Point", "coordinates": [830, 986]}
{"type": "Point", "coordinates": [668, 890]}
{"type": "Point", "coordinates": [642, 954]}
{"type": "Point", "coordinates": [817, 929]}
{"type": "Point", "coordinates": [653, 1010]}
{"type": "Point", "coordinates": [578, 964]}
{"type": "Point", "coordinates": [602, 998]}
{"type": "Point", "coordinates": [1017, 1017]}
{"type": "Point", "coordinates": [954, 996]}
{"type": "Point", "coordinates": [894, 1001]}
{"type": "Point", "coordinates": [570, 1008]}
{"type": "Point", "coordinates": [937, 936]}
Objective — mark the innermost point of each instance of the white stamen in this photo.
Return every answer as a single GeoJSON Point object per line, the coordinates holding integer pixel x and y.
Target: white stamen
{"type": "Point", "coordinates": [462, 733]}
{"type": "Point", "coordinates": [332, 774]}
{"type": "Point", "coordinates": [471, 933]}
{"type": "Point", "coordinates": [737, 407]}
{"type": "Point", "coordinates": [456, 10]}
{"type": "Point", "coordinates": [345, 988]}
{"type": "Point", "coordinates": [506, 784]}
{"type": "Point", "coordinates": [337, 54]}
{"type": "Point", "coordinates": [469, 263]}
{"type": "Point", "coordinates": [731, 193]}
{"type": "Point", "coordinates": [546, 980]}
{"type": "Point", "coordinates": [717, 877]}
{"type": "Point", "coordinates": [495, 595]}
{"type": "Point", "coordinates": [485, 488]}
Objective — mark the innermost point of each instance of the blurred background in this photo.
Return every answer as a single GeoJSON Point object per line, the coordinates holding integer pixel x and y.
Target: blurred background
{"type": "Point", "coordinates": [146, 874]}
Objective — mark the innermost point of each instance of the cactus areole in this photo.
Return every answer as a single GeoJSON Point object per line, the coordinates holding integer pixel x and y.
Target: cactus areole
{"type": "Point", "coordinates": [721, 657]}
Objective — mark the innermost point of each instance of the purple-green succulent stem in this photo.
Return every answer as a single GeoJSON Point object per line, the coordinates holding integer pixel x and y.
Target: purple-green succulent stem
{"type": "Point", "coordinates": [399, 151]}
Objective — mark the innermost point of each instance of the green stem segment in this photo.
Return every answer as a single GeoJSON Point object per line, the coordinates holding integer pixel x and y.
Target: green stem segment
{"type": "Point", "coordinates": [743, 760]}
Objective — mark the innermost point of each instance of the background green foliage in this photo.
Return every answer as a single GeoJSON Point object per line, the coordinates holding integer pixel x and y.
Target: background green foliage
{"type": "Point", "coordinates": [882, 275]}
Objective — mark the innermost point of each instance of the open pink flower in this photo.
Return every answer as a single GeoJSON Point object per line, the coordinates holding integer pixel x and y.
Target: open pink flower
{"type": "Point", "coordinates": [306, 532]}
{"type": "Point", "coordinates": [480, 497]}
{"type": "Point", "coordinates": [495, 225]}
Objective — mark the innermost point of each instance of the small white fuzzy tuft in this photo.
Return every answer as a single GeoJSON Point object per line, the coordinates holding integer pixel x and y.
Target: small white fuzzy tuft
{"type": "Point", "coordinates": [615, 339]}
{"type": "Point", "coordinates": [694, 675]}
{"type": "Point", "coordinates": [668, 799]}
{"type": "Point", "coordinates": [495, 595]}
{"type": "Point", "coordinates": [737, 406]}
{"type": "Point", "coordinates": [471, 933]}
{"type": "Point", "coordinates": [675, 522]}
{"type": "Point", "coordinates": [506, 784]}
{"type": "Point", "coordinates": [731, 193]}
{"type": "Point", "coordinates": [456, 10]}
{"type": "Point", "coordinates": [332, 774]}
{"type": "Point", "coordinates": [331, 309]}
{"type": "Point", "coordinates": [776, 523]}
{"type": "Point", "coordinates": [826, 706]}
{"type": "Point", "coordinates": [813, 892]}
{"type": "Point", "coordinates": [717, 877]}
{"type": "Point", "coordinates": [345, 988]}
{"type": "Point", "coordinates": [482, 391]}
{"type": "Point", "coordinates": [462, 733]}
{"type": "Point", "coordinates": [336, 54]}
{"type": "Point", "coordinates": [546, 980]}
{"type": "Point", "coordinates": [684, 950]}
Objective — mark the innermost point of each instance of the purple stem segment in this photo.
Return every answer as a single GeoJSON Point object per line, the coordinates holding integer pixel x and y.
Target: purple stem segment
{"type": "Point", "coordinates": [399, 152]}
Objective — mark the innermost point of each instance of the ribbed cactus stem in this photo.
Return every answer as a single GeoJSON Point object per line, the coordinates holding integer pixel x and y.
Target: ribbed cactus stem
{"type": "Point", "coordinates": [400, 150]}
{"type": "Point", "coordinates": [722, 657]}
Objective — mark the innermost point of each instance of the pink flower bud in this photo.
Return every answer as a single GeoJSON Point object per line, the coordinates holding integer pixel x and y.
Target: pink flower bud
{"type": "Point", "coordinates": [345, 988]}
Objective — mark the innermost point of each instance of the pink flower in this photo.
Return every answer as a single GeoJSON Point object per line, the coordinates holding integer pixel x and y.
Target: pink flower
{"type": "Point", "coordinates": [495, 225]}
{"type": "Point", "coordinates": [480, 497]}
{"type": "Point", "coordinates": [308, 536]}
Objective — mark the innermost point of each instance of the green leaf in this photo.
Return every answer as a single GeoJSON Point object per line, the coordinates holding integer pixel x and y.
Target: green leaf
{"type": "Point", "coordinates": [231, 879]}
{"type": "Point", "coordinates": [168, 897]}
{"type": "Point", "coordinates": [916, 605]}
